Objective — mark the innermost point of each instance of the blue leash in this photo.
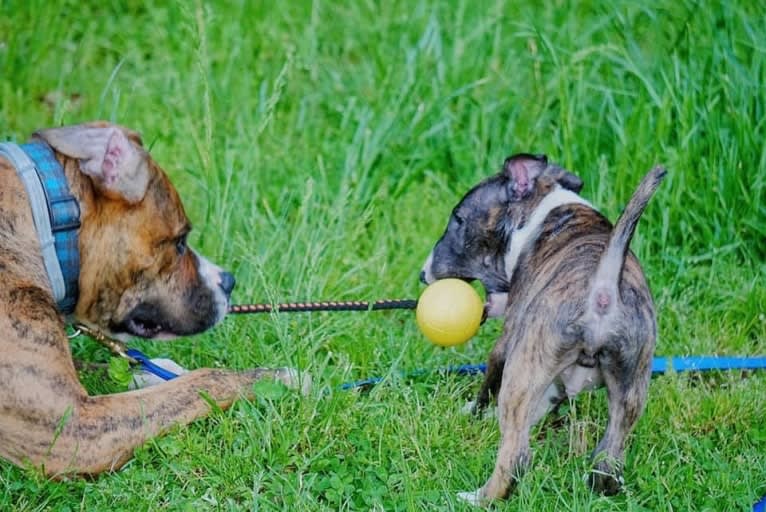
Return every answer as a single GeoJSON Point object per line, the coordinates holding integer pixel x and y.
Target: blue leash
{"type": "Point", "coordinates": [660, 365]}
{"type": "Point", "coordinates": [704, 363]}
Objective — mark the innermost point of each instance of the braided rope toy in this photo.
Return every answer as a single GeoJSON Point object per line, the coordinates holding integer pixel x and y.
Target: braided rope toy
{"type": "Point", "coordinates": [349, 305]}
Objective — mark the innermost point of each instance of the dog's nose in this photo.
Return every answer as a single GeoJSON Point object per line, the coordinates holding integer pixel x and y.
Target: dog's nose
{"type": "Point", "coordinates": [227, 282]}
{"type": "Point", "coordinates": [423, 277]}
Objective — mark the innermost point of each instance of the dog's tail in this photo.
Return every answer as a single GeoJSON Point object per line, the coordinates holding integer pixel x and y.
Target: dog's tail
{"type": "Point", "coordinates": [604, 287]}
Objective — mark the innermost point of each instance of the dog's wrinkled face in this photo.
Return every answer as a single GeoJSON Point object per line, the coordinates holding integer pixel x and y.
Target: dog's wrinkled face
{"type": "Point", "coordinates": [138, 277]}
{"type": "Point", "coordinates": [481, 226]}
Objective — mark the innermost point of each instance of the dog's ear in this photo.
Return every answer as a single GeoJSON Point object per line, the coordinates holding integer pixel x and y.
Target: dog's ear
{"type": "Point", "coordinates": [112, 158]}
{"type": "Point", "coordinates": [522, 170]}
{"type": "Point", "coordinates": [569, 181]}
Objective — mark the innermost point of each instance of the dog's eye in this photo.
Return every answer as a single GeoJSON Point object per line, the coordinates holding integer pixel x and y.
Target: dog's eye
{"type": "Point", "coordinates": [181, 245]}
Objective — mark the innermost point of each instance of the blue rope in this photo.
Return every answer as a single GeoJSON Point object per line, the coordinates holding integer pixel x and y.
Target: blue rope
{"type": "Point", "coordinates": [660, 365]}
{"type": "Point", "coordinates": [705, 363]}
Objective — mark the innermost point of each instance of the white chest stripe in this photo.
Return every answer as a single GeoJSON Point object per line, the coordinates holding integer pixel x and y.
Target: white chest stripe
{"type": "Point", "coordinates": [521, 238]}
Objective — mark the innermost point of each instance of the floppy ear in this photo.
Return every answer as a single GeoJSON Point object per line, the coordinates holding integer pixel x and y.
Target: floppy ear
{"type": "Point", "coordinates": [118, 168]}
{"type": "Point", "coordinates": [522, 170]}
{"type": "Point", "coordinates": [569, 181]}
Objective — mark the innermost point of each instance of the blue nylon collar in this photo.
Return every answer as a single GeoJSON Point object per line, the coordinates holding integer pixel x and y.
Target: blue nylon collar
{"type": "Point", "coordinates": [63, 211]}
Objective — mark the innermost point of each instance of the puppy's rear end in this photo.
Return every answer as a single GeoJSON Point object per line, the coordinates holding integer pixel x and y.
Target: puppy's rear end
{"type": "Point", "coordinates": [618, 304]}
{"type": "Point", "coordinates": [604, 293]}
{"type": "Point", "coordinates": [619, 330]}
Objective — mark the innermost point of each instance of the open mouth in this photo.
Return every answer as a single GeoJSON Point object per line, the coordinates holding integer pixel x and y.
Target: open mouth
{"type": "Point", "coordinates": [150, 320]}
{"type": "Point", "coordinates": [142, 327]}
{"type": "Point", "coordinates": [145, 321]}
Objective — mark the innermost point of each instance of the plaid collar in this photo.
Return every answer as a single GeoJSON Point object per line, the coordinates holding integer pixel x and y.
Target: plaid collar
{"type": "Point", "coordinates": [56, 215]}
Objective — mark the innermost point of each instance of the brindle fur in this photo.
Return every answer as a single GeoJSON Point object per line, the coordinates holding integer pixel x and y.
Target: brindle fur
{"type": "Point", "coordinates": [47, 419]}
{"type": "Point", "coordinates": [578, 316]}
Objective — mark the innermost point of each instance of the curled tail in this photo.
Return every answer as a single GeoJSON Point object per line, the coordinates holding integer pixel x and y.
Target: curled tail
{"type": "Point", "coordinates": [604, 287]}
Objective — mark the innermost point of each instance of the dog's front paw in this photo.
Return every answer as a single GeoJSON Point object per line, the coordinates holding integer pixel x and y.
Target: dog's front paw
{"type": "Point", "coordinates": [474, 498]}
{"type": "Point", "coordinates": [293, 379]}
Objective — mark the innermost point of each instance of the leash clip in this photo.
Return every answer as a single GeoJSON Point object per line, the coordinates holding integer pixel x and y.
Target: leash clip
{"type": "Point", "coordinates": [134, 357]}
{"type": "Point", "coordinates": [116, 346]}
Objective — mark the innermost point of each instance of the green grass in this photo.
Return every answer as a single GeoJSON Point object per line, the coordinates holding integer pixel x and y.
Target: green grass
{"type": "Point", "coordinates": [319, 148]}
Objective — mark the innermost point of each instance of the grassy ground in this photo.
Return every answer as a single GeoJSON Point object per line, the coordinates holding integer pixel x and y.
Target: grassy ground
{"type": "Point", "coordinates": [320, 147]}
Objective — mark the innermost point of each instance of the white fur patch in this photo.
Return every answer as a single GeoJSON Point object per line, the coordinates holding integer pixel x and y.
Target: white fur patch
{"type": "Point", "coordinates": [472, 498]}
{"type": "Point", "coordinates": [429, 277]}
{"type": "Point", "coordinates": [578, 378]}
{"type": "Point", "coordinates": [496, 304]}
{"type": "Point", "coordinates": [490, 412]}
{"type": "Point", "coordinates": [211, 276]}
{"type": "Point", "coordinates": [546, 403]}
{"type": "Point", "coordinates": [521, 238]}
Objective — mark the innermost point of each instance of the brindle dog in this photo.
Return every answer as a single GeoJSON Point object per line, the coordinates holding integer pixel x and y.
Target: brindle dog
{"type": "Point", "coordinates": [578, 311]}
{"type": "Point", "coordinates": [137, 278]}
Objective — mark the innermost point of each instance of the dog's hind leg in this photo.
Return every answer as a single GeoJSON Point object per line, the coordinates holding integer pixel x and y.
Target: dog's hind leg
{"type": "Point", "coordinates": [627, 383]}
{"type": "Point", "coordinates": [527, 375]}
{"type": "Point", "coordinates": [553, 396]}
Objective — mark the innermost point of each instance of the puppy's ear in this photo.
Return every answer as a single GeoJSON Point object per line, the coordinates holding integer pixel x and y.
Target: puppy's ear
{"type": "Point", "coordinates": [569, 181]}
{"type": "Point", "coordinates": [118, 167]}
{"type": "Point", "coordinates": [522, 170]}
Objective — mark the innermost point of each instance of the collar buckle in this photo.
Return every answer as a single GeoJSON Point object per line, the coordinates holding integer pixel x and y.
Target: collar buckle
{"type": "Point", "coordinates": [65, 214]}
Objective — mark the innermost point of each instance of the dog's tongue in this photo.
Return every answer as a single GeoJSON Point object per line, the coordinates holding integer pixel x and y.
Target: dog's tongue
{"type": "Point", "coordinates": [495, 305]}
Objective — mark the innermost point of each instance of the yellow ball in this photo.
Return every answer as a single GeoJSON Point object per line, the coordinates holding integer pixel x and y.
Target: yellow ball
{"type": "Point", "coordinates": [449, 312]}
